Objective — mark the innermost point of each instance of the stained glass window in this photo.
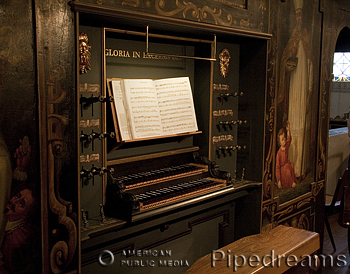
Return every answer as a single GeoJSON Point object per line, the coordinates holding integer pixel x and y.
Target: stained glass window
{"type": "Point", "coordinates": [341, 67]}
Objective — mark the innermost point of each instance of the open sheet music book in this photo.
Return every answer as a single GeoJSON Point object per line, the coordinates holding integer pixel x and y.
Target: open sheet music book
{"type": "Point", "coordinates": [148, 108]}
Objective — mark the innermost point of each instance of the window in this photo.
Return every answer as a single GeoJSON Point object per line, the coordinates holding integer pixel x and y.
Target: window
{"type": "Point", "coordinates": [341, 67]}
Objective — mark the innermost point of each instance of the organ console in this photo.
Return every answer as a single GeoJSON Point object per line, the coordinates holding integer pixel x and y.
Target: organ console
{"type": "Point", "coordinates": [133, 194]}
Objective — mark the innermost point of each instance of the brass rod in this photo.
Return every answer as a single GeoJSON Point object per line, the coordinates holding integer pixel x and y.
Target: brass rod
{"type": "Point", "coordinates": [147, 39]}
{"type": "Point", "coordinates": [147, 34]}
{"type": "Point", "coordinates": [214, 50]}
{"type": "Point", "coordinates": [162, 36]}
{"type": "Point", "coordinates": [175, 55]}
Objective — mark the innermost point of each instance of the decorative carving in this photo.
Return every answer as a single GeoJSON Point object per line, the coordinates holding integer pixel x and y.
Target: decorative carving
{"type": "Point", "coordinates": [281, 214]}
{"type": "Point", "coordinates": [270, 208]}
{"type": "Point", "coordinates": [316, 187]}
{"type": "Point", "coordinates": [200, 14]}
{"type": "Point", "coordinates": [62, 252]}
{"type": "Point", "coordinates": [58, 256]}
{"type": "Point", "coordinates": [224, 57]}
{"type": "Point", "coordinates": [244, 23]}
{"type": "Point", "coordinates": [302, 222]}
{"type": "Point", "coordinates": [212, 167]}
{"type": "Point", "coordinates": [200, 159]}
{"type": "Point", "coordinates": [216, 173]}
{"type": "Point", "coordinates": [305, 202]}
{"type": "Point", "coordinates": [84, 53]}
{"type": "Point", "coordinates": [267, 189]}
{"type": "Point", "coordinates": [243, 5]}
{"type": "Point", "coordinates": [131, 3]}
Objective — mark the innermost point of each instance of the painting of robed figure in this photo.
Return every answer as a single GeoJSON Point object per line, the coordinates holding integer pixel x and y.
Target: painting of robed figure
{"type": "Point", "coordinates": [297, 107]}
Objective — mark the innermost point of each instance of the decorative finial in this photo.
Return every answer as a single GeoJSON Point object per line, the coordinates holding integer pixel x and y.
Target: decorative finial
{"type": "Point", "coordinates": [84, 53]}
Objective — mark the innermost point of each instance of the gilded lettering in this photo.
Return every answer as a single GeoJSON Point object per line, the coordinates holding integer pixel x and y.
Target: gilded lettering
{"type": "Point", "coordinates": [136, 54]}
{"type": "Point", "coordinates": [108, 52]}
{"type": "Point", "coordinates": [121, 53]}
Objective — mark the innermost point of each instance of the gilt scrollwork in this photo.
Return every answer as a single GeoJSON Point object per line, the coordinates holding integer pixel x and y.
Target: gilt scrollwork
{"type": "Point", "coordinates": [268, 185]}
{"type": "Point", "coordinates": [304, 222]}
{"type": "Point", "coordinates": [316, 188]}
{"type": "Point", "coordinates": [198, 13]}
{"type": "Point", "coordinates": [301, 222]}
{"type": "Point", "coordinates": [287, 211]}
{"type": "Point", "coordinates": [63, 250]}
{"type": "Point", "coordinates": [269, 209]}
{"type": "Point", "coordinates": [131, 3]}
{"type": "Point", "coordinates": [305, 202]}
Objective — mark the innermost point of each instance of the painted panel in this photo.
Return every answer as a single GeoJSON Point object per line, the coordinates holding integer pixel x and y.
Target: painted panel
{"type": "Point", "coordinates": [291, 138]}
{"type": "Point", "coordinates": [20, 242]}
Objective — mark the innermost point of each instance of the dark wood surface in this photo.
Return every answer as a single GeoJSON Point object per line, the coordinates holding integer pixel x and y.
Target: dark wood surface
{"type": "Point", "coordinates": [280, 242]}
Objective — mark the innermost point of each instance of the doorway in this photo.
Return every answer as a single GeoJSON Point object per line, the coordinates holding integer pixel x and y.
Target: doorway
{"type": "Point", "coordinates": [338, 151]}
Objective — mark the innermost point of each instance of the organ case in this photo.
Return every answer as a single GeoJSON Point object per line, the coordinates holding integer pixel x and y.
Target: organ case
{"type": "Point", "coordinates": [128, 186]}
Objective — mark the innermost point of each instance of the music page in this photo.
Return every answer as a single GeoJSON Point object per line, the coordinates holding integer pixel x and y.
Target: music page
{"type": "Point", "coordinates": [176, 106]}
{"type": "Point", "coordinates": [123, 123]}
{"type": "Point", "coordinates": [142, 107]}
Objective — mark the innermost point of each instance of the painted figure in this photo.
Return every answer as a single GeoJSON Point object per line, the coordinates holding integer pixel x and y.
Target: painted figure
{"type": "Point", "coordinates": [296, 86]}
{"type": "Point", "coordinates": [20, 244]}
{"type": "Point", "coordinates": [5, 186]}
{"type": "Point", "coordinates": [10, 180]}
{"type": "Point", "coordinates": [285, 174]}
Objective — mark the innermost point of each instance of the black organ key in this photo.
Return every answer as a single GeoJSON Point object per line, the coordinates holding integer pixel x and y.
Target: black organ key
{"type": "Point", "coordinates": [161, 194]}
{"type": "Point", "coordinates": [145, 175]}
{"type": "Point", "coordinates": [135, 178]}
{"type": "Point", "coordinates": [142, 197]}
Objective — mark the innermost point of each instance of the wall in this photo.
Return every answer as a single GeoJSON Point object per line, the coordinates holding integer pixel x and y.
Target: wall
{"type": "Point", "coordinates": [338, 154]}
{"type": "Point", "coordinates": [340, 100]}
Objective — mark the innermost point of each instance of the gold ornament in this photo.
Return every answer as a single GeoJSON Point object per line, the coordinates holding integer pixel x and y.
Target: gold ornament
{"type": "Point", "coordinates": [84, 53]}
{"type": "Point", "coordinates": [224, 57]}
